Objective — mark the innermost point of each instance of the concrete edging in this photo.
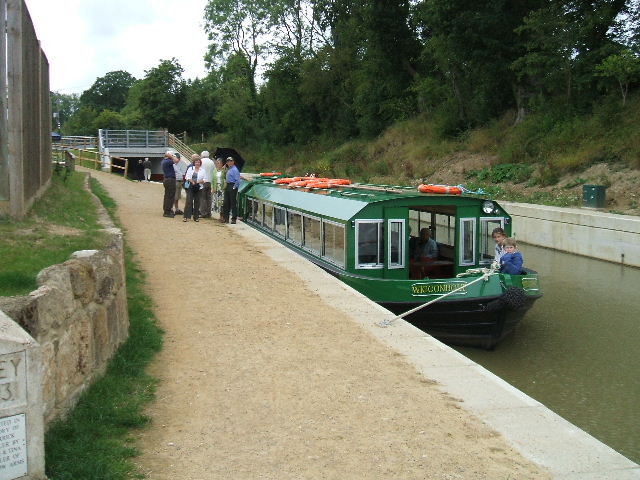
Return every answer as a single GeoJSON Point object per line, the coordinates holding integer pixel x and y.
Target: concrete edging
{"type": "Point", "coordinates": [539, 434]}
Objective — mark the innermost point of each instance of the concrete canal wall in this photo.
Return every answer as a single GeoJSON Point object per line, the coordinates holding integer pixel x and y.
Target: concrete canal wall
{"type": "Point", "coordinates": [539, 434]}
{"type": "Point", "coordinates": [606, 236]}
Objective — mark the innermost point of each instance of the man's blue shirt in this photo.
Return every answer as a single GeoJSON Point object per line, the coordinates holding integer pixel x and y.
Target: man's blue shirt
{"type": "Point", "coordinates": [233, 177]}
{"type": "Point", "coordinates": [167, 168]}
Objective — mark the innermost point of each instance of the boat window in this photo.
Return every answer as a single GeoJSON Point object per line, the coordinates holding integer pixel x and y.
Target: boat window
{"type": "Point", "coordinates": [268, 216]}
{"type": "Point", "coordinates": [396, 244]}
{"type": "Point", "coordinates": [280, 221]}
{"type": "Point", "coordinates": [333, 235]}
{"type": "Point", "coordinates": [487, 245]}
{"type": "Point", "coordinates": [369, 244]}
{"type": "Point", "coordinates": [312, 234]}
{"type": "Point", "coordinates": [294, 227]}
{"type": "Point", "coordinates": [467, 241]}
{"type": "Point", "coordinates": [445, 229]}
{"type": "Point", "coordinates": [253, 214]}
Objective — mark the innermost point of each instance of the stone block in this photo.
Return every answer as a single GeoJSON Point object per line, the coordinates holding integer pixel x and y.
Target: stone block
{"type": "Point", "coordinates": [48, 354]}
{"type": "Point", "coordinates": [83, 281]}
{"type": "Point", "coordinates": [21, 420]}
{"type": "Point", "coordinates": [101, 340]}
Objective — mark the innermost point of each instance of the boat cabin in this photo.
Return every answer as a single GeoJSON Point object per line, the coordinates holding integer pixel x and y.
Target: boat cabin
{"type": "Point", "coordinates": [374, 230]}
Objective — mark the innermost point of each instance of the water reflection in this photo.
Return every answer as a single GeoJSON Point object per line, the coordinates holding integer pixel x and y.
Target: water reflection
{"type": "Point", "coordinates": [577, 350]}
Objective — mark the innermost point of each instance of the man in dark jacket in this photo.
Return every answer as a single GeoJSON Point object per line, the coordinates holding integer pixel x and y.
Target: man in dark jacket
{"type": "Point", "coordinates": [169, 182]}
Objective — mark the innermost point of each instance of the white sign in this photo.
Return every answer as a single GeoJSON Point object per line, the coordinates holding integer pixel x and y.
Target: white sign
{"type": "Point", "coordinates": [13, 447]}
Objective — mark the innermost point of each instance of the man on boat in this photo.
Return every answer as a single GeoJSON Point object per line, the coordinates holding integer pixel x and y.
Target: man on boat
{"type": "Point", "coordinates": [427, 248]}
{"type": "Point", "coordinates": [231, 192]}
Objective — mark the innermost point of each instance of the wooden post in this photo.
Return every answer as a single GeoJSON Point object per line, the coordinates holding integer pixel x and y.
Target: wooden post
{"type": "Point", "coordinates": [4, 151]}
{"type": "Point", "coordinates": [14, 74]}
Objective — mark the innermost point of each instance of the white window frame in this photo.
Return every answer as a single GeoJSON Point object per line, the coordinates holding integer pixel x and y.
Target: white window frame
{"type": "Point", "coordinates": [369, 266]}
{"type": "Point", "coordinates": [289, 239]}
{"type": "Point", "coordinates": [309, 249]}
{"type": "Point", "coordinates": [486, 220]}
{"type": "Point", "coordinates": [344, 242]}
{"type": "Point", "coordinates": [463, 221]}
{"type": "Point", "coordinates": [402, 252]}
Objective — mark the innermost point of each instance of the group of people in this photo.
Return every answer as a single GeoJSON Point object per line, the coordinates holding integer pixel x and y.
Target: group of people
{"type": "Point", "coordinates": [211, 186]}
{"type": "Point", "coordinates": [507, 254]}
{"type": "Point", "coordinates": [143, 170]}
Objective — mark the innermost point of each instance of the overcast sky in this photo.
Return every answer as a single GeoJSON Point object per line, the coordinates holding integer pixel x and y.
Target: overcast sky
{"type": "Point", "coordinates": [84, 39]}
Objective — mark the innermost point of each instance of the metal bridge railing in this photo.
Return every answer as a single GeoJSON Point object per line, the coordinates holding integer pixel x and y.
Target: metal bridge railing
{"type": "Point", "coordinates": [133, 138]}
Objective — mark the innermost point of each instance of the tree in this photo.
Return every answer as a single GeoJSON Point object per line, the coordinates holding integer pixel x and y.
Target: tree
{"type": "Point", "coordinates": [237, 27]}
{"type": "Point", "coordinates": [623, 67]}
{"type": "Point", "coordinates": [384, 73]}
{"type": "Point", "coordinates": [63, 106]}
{"type": "Point", "coordinates": [108, 92]}
{"type": "Point", "coordinates": [81, 122]}
{"type": "Point", "coordinates": [161, 96]}
{"type": "Point", "coordinates": [237, 109]}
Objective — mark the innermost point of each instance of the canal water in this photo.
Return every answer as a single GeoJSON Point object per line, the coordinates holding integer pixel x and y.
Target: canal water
{"type": "Point", "coordinates": [577, 350]}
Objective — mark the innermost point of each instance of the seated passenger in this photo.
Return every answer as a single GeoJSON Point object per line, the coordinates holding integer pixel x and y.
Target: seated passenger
{"type": "Point", "coordinates": [426, 248]}
{"type": "Point", "coordinates": [511, 260]}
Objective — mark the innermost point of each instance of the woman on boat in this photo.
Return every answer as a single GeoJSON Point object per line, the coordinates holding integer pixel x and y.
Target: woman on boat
{"type": "Point", "coordinates": [194, 179]}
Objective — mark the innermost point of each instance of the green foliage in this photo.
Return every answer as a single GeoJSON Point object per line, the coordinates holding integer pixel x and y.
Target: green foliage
{"type": "Point", "coordinates": [506, 172]}
{"type": "Point", "coordinates": [63, 106]}
{"type": "Point", "coordinates": [61, 222]}
{"type": "Point", "coordinates": [623, 67]}
{"type": "Point", "coordinates": [109, 92]}
{"type": "Point", "coordinates": [161, 96]}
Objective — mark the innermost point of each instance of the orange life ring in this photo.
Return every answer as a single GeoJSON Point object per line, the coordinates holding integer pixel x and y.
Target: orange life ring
{"type": "Point", "coordinates": [446, 189]}
{"type": "Point", "coordinates": [298, 183]}
{"type": "Point", "coordinates": [280, 181]}
{"type": "Point", "coordinates": [317, 185]}
{"type": "Point", "coordinates": [270, 174]}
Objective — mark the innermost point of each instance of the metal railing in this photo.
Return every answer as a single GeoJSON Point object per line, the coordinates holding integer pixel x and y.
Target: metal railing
{"type": "Point", "coordinates": [133, 138]}
{"type": "Point", "coordinates": [78, 141]}
{"type": "Point", "coordinates": [179, 146]}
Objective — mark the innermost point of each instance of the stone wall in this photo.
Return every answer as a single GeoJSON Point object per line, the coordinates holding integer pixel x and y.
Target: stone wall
{"type": "Point", "coordinates": [581, 231]}
{"type": "Point", "coordinates": [79, 317]}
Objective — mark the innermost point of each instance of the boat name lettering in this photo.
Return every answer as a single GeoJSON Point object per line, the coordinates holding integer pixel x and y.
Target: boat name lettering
{"type": "Point", "coordinates": [436, 288]}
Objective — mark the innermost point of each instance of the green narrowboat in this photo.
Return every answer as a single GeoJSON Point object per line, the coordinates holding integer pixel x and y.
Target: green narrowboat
{"type": "Point", "coordinates": [366, 236]}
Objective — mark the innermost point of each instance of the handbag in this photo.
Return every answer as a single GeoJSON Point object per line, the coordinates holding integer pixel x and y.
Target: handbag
{"type": "Point", "coordinates": [186, 185]}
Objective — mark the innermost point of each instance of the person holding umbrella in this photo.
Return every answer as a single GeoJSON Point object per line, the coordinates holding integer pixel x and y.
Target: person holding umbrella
{"type": "Point", "coordinates": [230, 192]}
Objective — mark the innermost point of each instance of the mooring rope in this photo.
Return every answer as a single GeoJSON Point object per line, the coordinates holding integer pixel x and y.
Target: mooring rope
{"type": "Point", "coordinates": [486, 273]}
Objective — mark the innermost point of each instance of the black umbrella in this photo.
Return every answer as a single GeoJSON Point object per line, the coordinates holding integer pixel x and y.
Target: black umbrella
{"type": "Point", "coordinates": [222, 152]}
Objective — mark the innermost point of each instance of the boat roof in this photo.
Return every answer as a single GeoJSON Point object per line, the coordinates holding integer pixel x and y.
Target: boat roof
{"type": "Point", "coordinates": [343, 202]}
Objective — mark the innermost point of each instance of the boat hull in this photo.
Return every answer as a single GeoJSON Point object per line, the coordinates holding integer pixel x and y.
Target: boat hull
{"type": "Point", "coordinates": [481, 323]}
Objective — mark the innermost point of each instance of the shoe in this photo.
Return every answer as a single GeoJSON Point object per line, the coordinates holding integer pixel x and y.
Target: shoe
{"type": "Point", "coordinates": [196, 219]}
{"type": "Point", "coordinates": [185, 219]}
{"type": "Point", "coordinates": [222, 219]}
{"type": "Point", "coordinates": [168, 215]}
{"type": "Point", "coordinates": [233, 221]}
{"type": "Point", "coordinates": [179, 212]}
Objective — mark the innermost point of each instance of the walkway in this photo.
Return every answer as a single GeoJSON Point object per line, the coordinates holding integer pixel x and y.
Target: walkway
{"type": "Point", "coordinates": [261, 378]}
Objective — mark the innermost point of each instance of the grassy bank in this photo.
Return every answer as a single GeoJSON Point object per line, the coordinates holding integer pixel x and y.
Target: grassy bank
{"type": "Point", "coordinates": [94, 442]}
{"type": "Point", "coordinates": [513, 161]}
{"type": "Point", "coordinates": [63, 221]}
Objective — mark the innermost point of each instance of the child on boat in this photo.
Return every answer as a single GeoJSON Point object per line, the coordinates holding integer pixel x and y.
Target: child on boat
{"type": "Point", "coordinates": [511, 261]}
{"type": "Point", "coordinates": [498, 236]}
